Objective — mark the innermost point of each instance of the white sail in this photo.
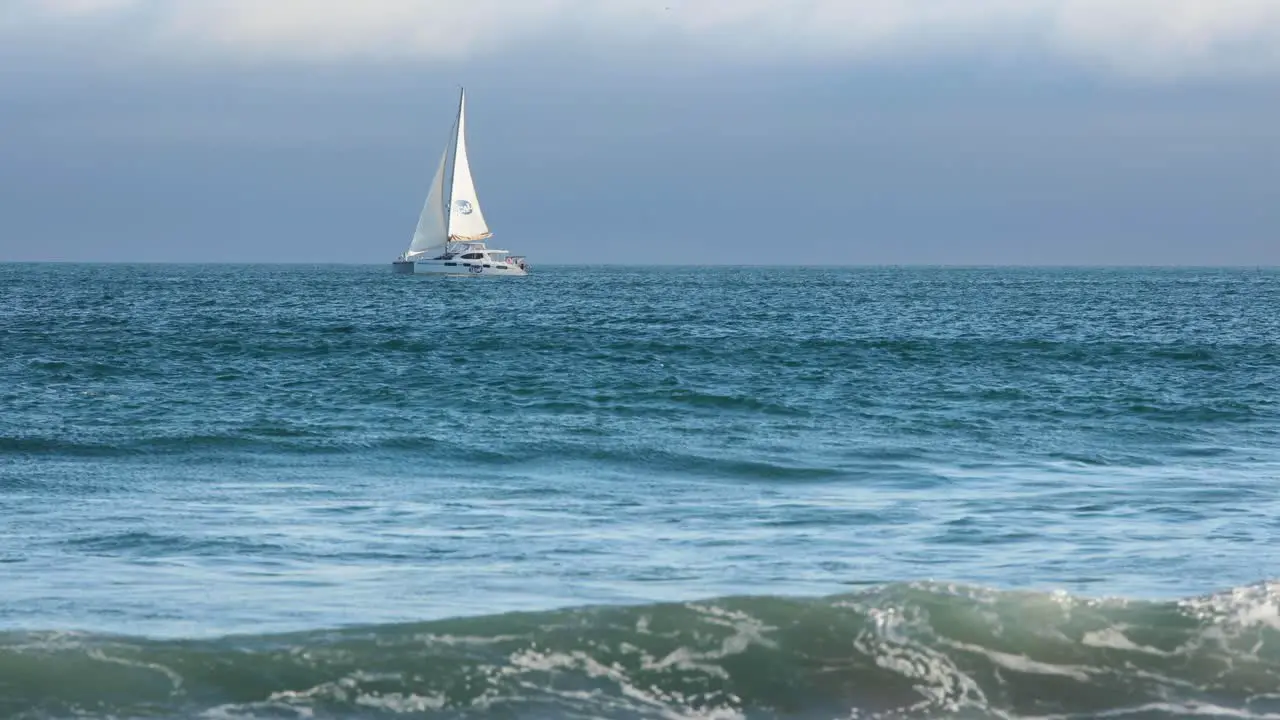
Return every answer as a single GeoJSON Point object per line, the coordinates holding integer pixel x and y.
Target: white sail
{"type": "Point", "coordinates": [432, 231]}
{"type": "Point", "coordinates": [466, 222]}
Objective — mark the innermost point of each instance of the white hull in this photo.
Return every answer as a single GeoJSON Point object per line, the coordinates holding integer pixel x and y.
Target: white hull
{"type": "Point", "coordinates": [459, 268]}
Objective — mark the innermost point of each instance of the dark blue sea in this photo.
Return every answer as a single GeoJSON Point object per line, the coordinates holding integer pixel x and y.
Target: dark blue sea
{"type": "Point", "coordinates": [334, 492]}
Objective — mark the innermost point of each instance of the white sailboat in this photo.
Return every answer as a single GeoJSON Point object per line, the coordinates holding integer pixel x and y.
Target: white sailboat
{"type": "Point", "coordinates": [451, 233]}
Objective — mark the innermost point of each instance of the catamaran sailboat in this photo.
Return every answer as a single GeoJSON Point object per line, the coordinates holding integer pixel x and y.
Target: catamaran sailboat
{"type": "Point", "coordinates": [451, 233]}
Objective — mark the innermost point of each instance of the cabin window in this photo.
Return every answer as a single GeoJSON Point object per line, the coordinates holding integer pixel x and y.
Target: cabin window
{"type": "Point", "coordinates": [473, 256]}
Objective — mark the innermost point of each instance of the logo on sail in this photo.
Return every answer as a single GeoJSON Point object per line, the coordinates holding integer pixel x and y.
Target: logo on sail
{"type": "Point", "coordinates": [463, 206]}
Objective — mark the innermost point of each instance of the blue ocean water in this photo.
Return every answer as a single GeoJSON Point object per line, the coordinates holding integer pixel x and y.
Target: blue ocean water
{"type": "Point", "coordinates": [329, 491]}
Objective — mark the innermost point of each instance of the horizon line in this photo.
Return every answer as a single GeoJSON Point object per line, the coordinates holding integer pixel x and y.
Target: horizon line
{"type": "Point", "coordinates": [672, 265]}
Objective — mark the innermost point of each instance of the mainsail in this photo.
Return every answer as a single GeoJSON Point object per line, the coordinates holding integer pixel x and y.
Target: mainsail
{"type": "Point", "coordinates": [452, 209]}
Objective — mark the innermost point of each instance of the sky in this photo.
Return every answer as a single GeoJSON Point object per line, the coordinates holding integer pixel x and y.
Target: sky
{"type": "Point", "coordinates": [815, 132]}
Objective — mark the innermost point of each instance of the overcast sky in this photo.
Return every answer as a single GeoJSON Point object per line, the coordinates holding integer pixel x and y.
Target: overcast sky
{"type": "Point", "coordinates": [646, 131]}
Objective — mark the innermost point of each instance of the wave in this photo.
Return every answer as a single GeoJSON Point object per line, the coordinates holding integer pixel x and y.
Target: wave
{"type": "Point", "coordinates": [261, 441]}
{"type": "Point", "coordinates": [917, 650]}
{"type": "Point", "coordinates": [160, 544]}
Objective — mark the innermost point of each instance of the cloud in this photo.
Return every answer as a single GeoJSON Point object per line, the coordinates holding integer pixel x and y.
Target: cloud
{"type": "Point", "coordinates": [1139, 38]}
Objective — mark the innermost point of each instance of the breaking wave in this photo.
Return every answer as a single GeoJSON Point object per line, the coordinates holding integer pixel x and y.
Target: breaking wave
{"type": "Point", "coordinates": [918, 650]}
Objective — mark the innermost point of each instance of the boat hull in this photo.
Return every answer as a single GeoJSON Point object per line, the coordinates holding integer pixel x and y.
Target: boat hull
{"type": "Point", "coordinates": [458, 268]}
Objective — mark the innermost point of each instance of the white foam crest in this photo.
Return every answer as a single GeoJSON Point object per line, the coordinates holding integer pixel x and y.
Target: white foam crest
{"type": "Point", "coordinates": [175, 679]}
{"type": "Point", "coordinates": [452, 640]}
{"type": "Point", "coordinates": [1239, 622]}
{"type": "Point", "coordinates": [533, 659]}
{"type": "Point", "coordinates": [49, 641]}
{"type": "Point", "coordinates": [400, 703]}
{"type": "Point", "coordinates": [1022, 663]}
{"type": "Point", "coordinates": [344, 690]}
{"type": "Point", "coordinates": [1114, 638]}
{"type": "Point", "coordinates": [941, 684]}
{"type": "Point", "coordinates": [339, 690]}
{"type": "Point", "coordinates": [686, 659]}
{"type": "Point", "coordinates": [668, 704]}
{"type": "Point", "coordinates": [1187, 709]}
{"type": "Point", "coordinates": [747, 631]}
{"type": "Point", "coordinates": [1241, 607]}
{"type": "Point", "coordinates": [248, 711]}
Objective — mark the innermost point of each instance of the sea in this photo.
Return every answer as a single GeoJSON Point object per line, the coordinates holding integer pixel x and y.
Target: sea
{"type": "Point", "coordinates": [327, 491]}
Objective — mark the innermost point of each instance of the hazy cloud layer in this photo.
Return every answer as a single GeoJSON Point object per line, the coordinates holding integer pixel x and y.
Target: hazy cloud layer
{"type": "Point", "coordinates": [814, 170]}
{"type": "Point", "coordinates": [1154, 39]}
{"type": "Point", "coordinates": [818, 132]}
